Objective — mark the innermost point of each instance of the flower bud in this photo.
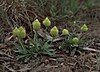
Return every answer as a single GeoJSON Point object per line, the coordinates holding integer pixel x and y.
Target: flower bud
{"type": "Point", "coordinates": [54, 31]}
{"type": "Point", "coordinates": [84, 28]}
{"type": "Point", "coordinates": [36, 24]}
{"type": "Point", "coordinates": [75, 41]}
{"type": "Point", "coordinates": [65, 32]}
{"type": "Point", "coordinates": [15, 31]}
{"type": "Point", "coordinates": [47, 22]}
{"type": "Point", "coordinates": [22, 32]}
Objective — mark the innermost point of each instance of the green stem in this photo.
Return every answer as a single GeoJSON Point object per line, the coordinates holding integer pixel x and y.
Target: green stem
{"type": "Point", "coordinates": [35, 35]}
{"type": "Point", "coordinates": [22, 46]}
{"type": "Point", "coordinates": [52, 41]}
{"type": "Point", "coordinates": [46, 29]}
{"type": "Point", "coordinates": [35, 40]}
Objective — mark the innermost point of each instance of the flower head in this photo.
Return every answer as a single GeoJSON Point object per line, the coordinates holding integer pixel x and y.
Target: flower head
{"type": "Point", "coordinates": [22, 32]}
{"type": "Point", "coordinates": [65, 32]}
{"type": "Point", "coordinates": [19, 32]}
{"type": "Point", "coordinates": [15, 31]}
{"type": "Point", "coordinates": [36, 24]}
{"type": "Point", "coordinates": [47, 22]}
{"type": "Point", "coordinates": [54, 31]}
{"type": "Point", "coordinates": [84, 28]}
{"type": "Point", "coordinates": [75, 41]}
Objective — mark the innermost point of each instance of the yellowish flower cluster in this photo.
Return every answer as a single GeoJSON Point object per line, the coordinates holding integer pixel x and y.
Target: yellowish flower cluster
{"type": "Point", "coordinates": [84, 28]}
{"type": "Point", "coordinates": [19, 32]}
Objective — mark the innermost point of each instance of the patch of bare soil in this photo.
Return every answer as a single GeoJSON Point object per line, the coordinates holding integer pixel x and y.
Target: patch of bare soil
{"type": "Point", "coordinates": [86, 62]}
{"type": "Point", "coordinates": [95, 29]}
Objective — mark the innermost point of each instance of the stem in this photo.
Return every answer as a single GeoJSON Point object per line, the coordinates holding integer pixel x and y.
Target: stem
{"type": "Point", "coordinates": [35, 35]}
{"type": "Point", "coordinates": [35, 41]}
{"type": "Point", "coordinates": [46, 30]}
{"type": "Point", "coordinates": [22, 46]}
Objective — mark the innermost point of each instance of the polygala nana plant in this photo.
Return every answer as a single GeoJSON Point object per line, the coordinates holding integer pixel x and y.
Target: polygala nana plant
{"type": "Point", "coordinates": [47, 22]}
{"type": "Point", "coordinates": [36, 45]}
{"type": "Point", "coordinates": [54, 32]}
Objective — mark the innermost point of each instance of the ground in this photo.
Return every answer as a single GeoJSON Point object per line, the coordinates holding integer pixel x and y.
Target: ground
{"type": "Point", "coordinates": [61, 62]}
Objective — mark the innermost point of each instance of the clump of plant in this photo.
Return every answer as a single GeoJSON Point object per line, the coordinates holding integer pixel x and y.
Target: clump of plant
{"type": "Point", "coordinates": [36, 45]}
{"type": "Point", "coordinates": [73, 41]}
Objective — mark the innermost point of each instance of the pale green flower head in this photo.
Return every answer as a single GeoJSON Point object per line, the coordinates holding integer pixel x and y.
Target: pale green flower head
{"type": "Point", "coordinates": [54, 31]}
{"type": "Point", "coordinates": [47, 22]}
{"type": "Point", "coordinates": [22, 32]}
{"type": "Point", "coordinates": [19, 32]}
{"type": "Point", "coordinates": [15, 31]}
{"type": "Point", "coordinates": [84, 28]}
{"type": "Point", "coordinates": [65, 32]}
{"type": "Point", "coordinates": [36, 24]}
{"type": "Point", "coordinates": [75, 40]}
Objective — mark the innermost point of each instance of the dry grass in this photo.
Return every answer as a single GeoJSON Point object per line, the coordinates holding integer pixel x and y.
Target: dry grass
{"type": "Point", "coordinates": [22, 12]}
